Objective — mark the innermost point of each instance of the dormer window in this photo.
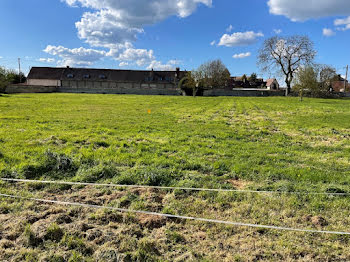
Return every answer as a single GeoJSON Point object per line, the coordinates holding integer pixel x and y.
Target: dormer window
{"type": "Point", "coordinates": [86, 76]}
{"type": "Point", "coordinates": [70, 76]}
{"type": "Point", "coordinates": [102, 77]}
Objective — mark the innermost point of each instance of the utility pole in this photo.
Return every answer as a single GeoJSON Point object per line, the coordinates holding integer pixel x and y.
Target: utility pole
{"type": "Point", "coordinates": [19, 70]}
{"type": "Point", "coordinates": [346, 78]}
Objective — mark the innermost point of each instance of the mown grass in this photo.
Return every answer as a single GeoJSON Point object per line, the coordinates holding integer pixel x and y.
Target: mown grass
{"type": "Point", "coordinates": [247, 143]}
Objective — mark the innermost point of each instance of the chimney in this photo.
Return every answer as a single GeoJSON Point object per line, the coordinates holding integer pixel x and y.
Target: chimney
{"type": "Point", "coordinates": [177, 74]}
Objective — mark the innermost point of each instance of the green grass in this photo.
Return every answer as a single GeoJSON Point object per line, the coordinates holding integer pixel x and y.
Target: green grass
{"type": "Point", "coordinates": [253, 143]}
{"type": "Point", "coordinates": [183, 141]}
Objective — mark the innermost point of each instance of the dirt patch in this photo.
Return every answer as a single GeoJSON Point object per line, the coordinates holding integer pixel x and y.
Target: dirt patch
{"type": "Point", "coordinates": [239, 184]}
{"type": "Point", "coordinates": [151, 222]}
{"type": "Point", "coordinates": [317, 220]}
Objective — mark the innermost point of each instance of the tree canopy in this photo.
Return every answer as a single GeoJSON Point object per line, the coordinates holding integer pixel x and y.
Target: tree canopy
{"type": "Point", "coordinates": [315, 80]}
{"type": "Point", "coordinates": [9, 77]}
{"type": "Point", "coordinates": [214, 74]}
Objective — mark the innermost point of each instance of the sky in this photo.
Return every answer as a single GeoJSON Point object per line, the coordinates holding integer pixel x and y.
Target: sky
{"type": "Point", "coordinates": [165, 34]}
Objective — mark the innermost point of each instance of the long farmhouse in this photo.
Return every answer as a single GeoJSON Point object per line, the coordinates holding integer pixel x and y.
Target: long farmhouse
{"type": "Point", "coordinates": [110, 81]}
{"type": "Point", "coordinates": [83, 80]}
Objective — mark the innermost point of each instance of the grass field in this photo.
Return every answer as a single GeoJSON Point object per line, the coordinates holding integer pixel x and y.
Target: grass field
{"type": "Point", "coordinates": [238, 143]}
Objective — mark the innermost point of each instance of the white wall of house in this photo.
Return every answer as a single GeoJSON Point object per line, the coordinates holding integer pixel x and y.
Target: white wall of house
{"type": "Point", "coordinates": [43, 82]}
{"type": "Point", "coordinates": [277, 86]}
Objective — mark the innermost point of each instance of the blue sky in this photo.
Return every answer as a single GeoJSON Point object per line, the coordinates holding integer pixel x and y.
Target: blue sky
{"type": "Point", "coordinates": [164, 34]}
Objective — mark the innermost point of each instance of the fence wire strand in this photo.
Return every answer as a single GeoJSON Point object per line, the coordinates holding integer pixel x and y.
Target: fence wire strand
{"type": "Point", "coordinates": [123, 210]}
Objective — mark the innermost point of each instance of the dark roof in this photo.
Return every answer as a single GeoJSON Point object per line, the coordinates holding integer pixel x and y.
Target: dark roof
{"type": "Point", "coordinates": [97, 74]}
{"type": "Point", "coordinates": [46, 73]}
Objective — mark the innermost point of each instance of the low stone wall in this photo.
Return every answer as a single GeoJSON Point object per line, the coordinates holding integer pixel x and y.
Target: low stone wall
{"type": "Point", "coordinates": [129, 91]}
{"type": "Point", "coordinates": [14, 89]}
{"type": "Point", "coordinates": [240, 92]}
{"type": "Point", "coordinates": [138, 91]}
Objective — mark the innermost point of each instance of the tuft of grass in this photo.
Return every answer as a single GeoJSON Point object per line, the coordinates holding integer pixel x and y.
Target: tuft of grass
{"type": "Point", "coordinates": [31, 239]}
{"type": "Point", "coordinates": [76, 244]}
{"type": "Point", "coordinates": [54, 233]}
{"type": "Point", "coordinates": [174, 236]}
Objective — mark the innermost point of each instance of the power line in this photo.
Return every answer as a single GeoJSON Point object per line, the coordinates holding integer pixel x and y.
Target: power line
{"type": "Point", "coordinates": [123, 210]}
{"type": "Point", "coordinates": [171, 188]}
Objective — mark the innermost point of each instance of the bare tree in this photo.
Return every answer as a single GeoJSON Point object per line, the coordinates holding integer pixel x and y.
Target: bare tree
{"type": "Point", "coordinates": [286, 55]}
{"type": "Point", "coordinates": [215, 74]}
{"type": "Point", "coordinates": [327, 74]}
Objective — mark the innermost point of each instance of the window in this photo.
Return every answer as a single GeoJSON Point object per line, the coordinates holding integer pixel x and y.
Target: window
{"type": "Point", "coordinates": [102, 77]}
{"type": "Point", "coordinates": [86, 76]}
{"type": "Point", "coordinates": [70, 76]}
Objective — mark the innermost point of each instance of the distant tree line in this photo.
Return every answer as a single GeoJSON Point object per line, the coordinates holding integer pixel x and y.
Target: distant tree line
{"type": "Point", "coordinates": [8, 77]}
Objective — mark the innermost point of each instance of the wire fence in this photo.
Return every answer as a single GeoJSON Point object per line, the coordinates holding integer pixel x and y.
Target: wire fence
{"type": "Point", "coordinates": [169, 215]}
{"type": "Point", "coordinates": [173, 188]}
{"type": "Point", "coordinates": [176, 216]}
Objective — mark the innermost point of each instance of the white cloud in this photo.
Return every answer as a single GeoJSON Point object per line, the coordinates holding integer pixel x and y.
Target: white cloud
{"type": "Point", "coordinates": [213, 43]}
{"type": "Point", "coordinates": [301, 10]}
{"type": "Point", "coordinates": [229, 29]}
{"type": "Point", "coordinates": [115, 24]}
{"type": "Point", "coordinates": [174, 62]}
{"type": "Point", "coordinates": [75, 57]}
{"type": "Point", "coordinates": [118, 21]}
{"type": "Point", "coordinates": [328, 32]}
{"type": "Point", "coordinates": [242, 55]}
{"type": "Point", "coordinates": [104, 29]}
{"type": "Point", "coordinates": [157, 65]}
{"type": "Point", "coordinates": [343, 24]}
{"type": "Point", "coordinates": [277, 31]}
{"type": "Point", "coordinates": [46, 60]}
{"type": "Point", "coordinates": [240, 39]}
{"type": "Point", "coordinates": [1, 57]}
{"type": "Point", "coordinates": [123, 64]}
{"type": "Point", "coordinates": [141, 56]}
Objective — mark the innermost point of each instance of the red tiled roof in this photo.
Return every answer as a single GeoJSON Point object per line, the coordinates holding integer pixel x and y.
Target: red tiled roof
{"type": "Point", "coordinates": [270, 81]}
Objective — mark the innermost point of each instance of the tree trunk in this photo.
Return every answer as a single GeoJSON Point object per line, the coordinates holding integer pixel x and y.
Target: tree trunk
{"type": "Point", "coordinates": [288, 89]}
